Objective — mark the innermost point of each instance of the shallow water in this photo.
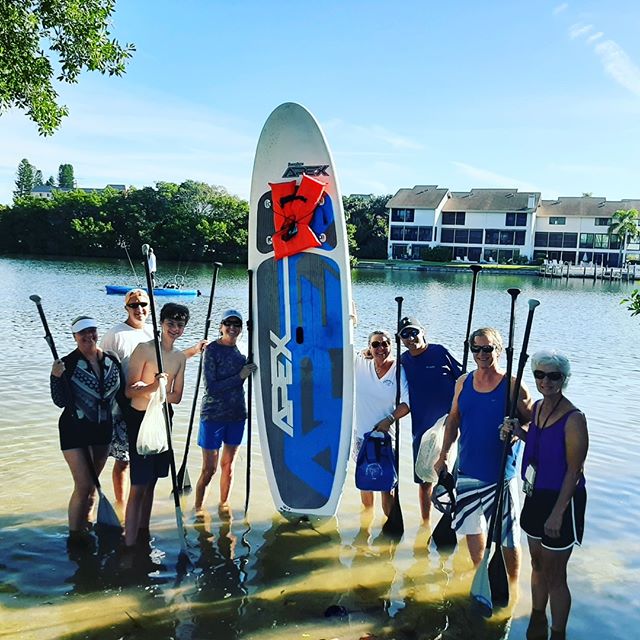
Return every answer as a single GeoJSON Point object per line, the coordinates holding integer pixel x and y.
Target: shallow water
{"type": "Point", "coordinates": [260, 576]}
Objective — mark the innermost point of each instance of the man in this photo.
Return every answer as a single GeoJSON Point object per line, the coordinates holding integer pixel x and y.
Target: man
{"type": "Point", "coordinates": [151, 259]}
{"type": "Point", "coordinates": [121, 340]}
{"type": "Point", "coordinates": [477, 412]}
{"type": "Point", "coordinates": [431, 373]}
{"type": "Point", "coordinates": [143, 379]}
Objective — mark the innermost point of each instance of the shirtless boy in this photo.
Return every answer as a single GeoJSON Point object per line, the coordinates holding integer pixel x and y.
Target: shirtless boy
{"type": "Point", "coordinates": [142, 381]}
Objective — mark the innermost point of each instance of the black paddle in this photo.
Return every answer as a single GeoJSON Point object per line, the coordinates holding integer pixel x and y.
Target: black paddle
{"type": "Point", "coordinates": [498, 578]}
{"type": "Point", "coordinates": [183, 480]}
{"type": "Point", "coordinates": [481, 587]}
{"type": "Point", "coordinates": [106, 514]}
{"type": "Point", "coordinates": [249, 390]}
{"type": "Point", "coordinates": [476, 268]}
{"type": "Point", "coordinates": [394, 526]}
{"type": "Point", "coordinates": [165, 406]}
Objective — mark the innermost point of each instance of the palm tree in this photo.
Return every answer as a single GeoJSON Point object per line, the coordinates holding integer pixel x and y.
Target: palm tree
{"type": "Point", "coordinates": [624, 225]}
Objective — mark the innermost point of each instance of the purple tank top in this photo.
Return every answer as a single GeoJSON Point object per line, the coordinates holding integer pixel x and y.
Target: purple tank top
{"type": "Point", "coordinates": [548, 445]}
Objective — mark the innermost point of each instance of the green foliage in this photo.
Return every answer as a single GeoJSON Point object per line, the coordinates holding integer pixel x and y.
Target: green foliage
{"type": "Point", "coordinates": [367, 225]}
{"type": "Point", "coordinates": [633, 302]}
{"type": "Point", "coordinates": [36, 36]}
{"type": "Point", "coordinates": [624, 224]}
{"type": "Point", "coordinates": [25, 177]}
{"type": "Point", "coordinates": [437, 254]}
{"type": "Point", "coordinates": [51, 181]}
{"type": "Point", "coordinates": [65, 176]}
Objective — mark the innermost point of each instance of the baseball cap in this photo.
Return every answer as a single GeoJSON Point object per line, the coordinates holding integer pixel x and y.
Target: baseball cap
{"type": "Point", "coordinates": [135, 293]}
{"type": "Point", "coordinates": [83, 322]}
{"type": "Point", "coordinates": [407, 323]}
{"type": "Point", "coordinates": [232, 313]}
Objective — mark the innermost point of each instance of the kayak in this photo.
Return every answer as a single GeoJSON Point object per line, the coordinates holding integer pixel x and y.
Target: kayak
{"type": "Point", "coordinates": [116, 289]}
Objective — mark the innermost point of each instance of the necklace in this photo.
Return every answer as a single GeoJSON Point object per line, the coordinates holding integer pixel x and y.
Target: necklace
{"type": "Point", "coordinates": [555, 406]}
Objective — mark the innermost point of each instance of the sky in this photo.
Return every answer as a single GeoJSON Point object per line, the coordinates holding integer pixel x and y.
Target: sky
{"type": "Point", "coordinates": [532, 95]}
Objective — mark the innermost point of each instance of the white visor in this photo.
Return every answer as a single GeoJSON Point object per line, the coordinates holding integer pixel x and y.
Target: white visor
{"type": "Point", "coordinates": [85, 323]}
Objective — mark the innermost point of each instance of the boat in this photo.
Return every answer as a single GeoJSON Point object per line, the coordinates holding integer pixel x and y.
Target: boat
{"type": "Point", "coordinates": [116, 289]}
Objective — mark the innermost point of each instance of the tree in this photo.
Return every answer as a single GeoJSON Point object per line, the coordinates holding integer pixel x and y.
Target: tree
{"type": "Point", "coordinates": [65, 176]}
{"type": "Point", "coordinates": [624, 225]}
{"type": "Point", "coordinates": [51, 181]}
{"type": "Point", "coordinates": [24, 179]}
{"type": "Point", "coordinates": [633, 302]}
{"type": "Point", "coordinates": [73, 36]}
{"type": "Point", "coordinates": [370, 220]}
{"type": "Point", "coordinates": [37, 178]}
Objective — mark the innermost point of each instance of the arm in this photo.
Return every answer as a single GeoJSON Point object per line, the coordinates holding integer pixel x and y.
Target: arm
{"type": "Point", "coordinates": [452, 427]}
{"type": "Point", "coordinates": [214, 384]}
{"type": "Point", "coordinates": [174, 396]}
{"type": "Point", "coordinates": [197, 348]}
{"type": "Point", "coordinates": [58, 385]}
{"type": "Point", "coordinates": [401, 410]}
{"type": "Point", "coordinates": [136, 387]}
{"type": "Point", "coordinates": [576, 440]}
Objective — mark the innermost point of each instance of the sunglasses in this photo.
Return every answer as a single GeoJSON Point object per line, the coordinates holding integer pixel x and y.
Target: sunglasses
{"type": "Point", "coordinates": [405, 334]}
{"type": "Point", "coordinates": [552, 375]}
{"type": "Point", "coordinates": [486, 348]}
{"type": "Point", "coordinates": [380, 343]}
{"type": "Point", "coordinates": [228, 323]}
{"type": "Point", "coordinates": [135, 305]}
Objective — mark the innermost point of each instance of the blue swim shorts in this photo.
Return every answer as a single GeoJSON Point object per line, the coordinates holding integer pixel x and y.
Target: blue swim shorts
{"type": "Point", "coordinates": [213, 433]}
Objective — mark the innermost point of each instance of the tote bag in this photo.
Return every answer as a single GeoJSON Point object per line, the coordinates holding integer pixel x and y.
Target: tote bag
{"type": "Point", "coordinates": [376, 465]}
{"type": "Point", "coordinates": [152, 437]}
{"type": "Point", "coordinates": [430, 447]}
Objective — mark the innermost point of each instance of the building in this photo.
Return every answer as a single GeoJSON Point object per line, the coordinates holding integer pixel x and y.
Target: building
{"type": "Point", "coordinates": [47, 191]}
{"type": "Point", "coordinates": [504, 225]}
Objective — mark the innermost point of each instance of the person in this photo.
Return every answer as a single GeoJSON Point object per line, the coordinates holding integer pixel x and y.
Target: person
{"type": "Point", "coordinates": [375, 395]}
{"type": "Point", "coordinates": [121, 340]}
{"type": "Point", "coordinates": [223, 411]}
{"type": "Point", "coordinates": [431, 376]}
{"type": "Point", "coordinates": [477, 413]}
{"type": "Point", "coordinates": [86, 384]}
{"type": "Point", "coordinates": [553, 479]}
{"type": "Point", "coordinates": [143, 380]}
{"type": "Point", "coordinates": [151, 259]}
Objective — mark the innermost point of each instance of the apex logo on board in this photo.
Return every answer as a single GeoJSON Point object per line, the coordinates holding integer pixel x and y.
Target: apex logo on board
{"type": "Point", "coordinates": [296, 169]}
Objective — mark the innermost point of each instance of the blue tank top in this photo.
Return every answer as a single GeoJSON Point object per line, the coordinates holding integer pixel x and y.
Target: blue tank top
{"type": "Point", "coordinates": [480, 448]}
{"type": "Point", "coordinates": [547, 450]}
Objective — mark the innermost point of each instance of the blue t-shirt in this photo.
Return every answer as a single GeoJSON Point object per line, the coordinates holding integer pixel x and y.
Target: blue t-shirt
{"type": "Point", "coordinates": [223, 400]}
{"type": "Point", "coordinates": [480, 448]}
{"type": "Point", "coordinates": [431, 377]}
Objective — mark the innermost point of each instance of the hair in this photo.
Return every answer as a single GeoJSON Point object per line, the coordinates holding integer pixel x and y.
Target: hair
{"type": "Point", "coordinates": [552, 358]}
{"type": "Point", "coordinates": [379, 332]}
{"type": "Point", "coordinates": [174, 311]}
{"type": "Point", "coordinates": [491, 334]}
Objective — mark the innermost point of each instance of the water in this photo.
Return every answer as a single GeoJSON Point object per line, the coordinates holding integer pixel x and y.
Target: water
{"type": "Point", "coordinates": [261, 577]}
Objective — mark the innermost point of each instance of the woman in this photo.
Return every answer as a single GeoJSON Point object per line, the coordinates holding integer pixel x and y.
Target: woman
{"type": "Point", "coordinates": [224, 412]}
{"type": "Point", "coordinates": [86, 383]}
{"type": "Point", "coordinates": [552, 471]}
{"type": "Point", "coordinates": [375, 385]}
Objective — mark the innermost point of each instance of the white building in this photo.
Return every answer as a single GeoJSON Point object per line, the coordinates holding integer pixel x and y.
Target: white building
{"type": "Point", "coordinates": [47, 191]}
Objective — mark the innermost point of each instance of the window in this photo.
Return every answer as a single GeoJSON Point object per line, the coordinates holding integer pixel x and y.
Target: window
{"type": "Point", "coordinates": [520, 237]}
{"type": "Point", "coordinates": [490, 255]}
{"type": "Point", "coordinates": [614, 242]}
{"type": "Point", "coordinates": [516, 219]}
{"type": "Point", "coordinates": [586, 240]}
{"type": "Point", "coordinates": [425, 234]}
{"type": "Point", "coordinates": [475, 237]}
{"type": "Point", "coordinates": [603, 222]}
{"type": "Point", "coordinates": [461, 236]}
{"type": "Point", "coordinates": [506, 237]}
{"type": "Point", "coordinates": [397, 232]}
{"type": "Point", "coordinates": [446, 236]}
{"type": "Point", "coordinates": [555, 239]}
{"type": "Point", "coordinates": [474, 254]}
{"type": "Point", "coordinates": [453, 217]}
{"type": "Point", "coordinates": [402, 215]}
{"type": "Point", "coordinates": [411, 233]}
{"type": "Point", "coordinates": [570, 240]}
{"type": "Point", "coordinates": [542, 239]}
{"type": "Point", "coordinates": [601, 241]}
{"type": "Point", "coordinates": [557, 220]}
{"type": "Point", "coordinates": [492, 236]}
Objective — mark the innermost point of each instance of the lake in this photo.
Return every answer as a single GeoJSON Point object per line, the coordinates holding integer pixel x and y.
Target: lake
{"type": "Point", "coordinates": [260, 576]}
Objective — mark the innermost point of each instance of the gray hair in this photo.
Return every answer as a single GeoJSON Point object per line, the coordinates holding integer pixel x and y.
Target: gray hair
{"type": "Point", "coordinates": [379, 332]}
{"type": "Point", "coordinates": [552, 358]}
{"type": "Point", "coordinates": [491, 334]}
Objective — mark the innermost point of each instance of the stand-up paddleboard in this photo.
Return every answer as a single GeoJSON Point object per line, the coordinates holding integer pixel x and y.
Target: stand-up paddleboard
{"type": "Point", "coordinates": [301, 309]}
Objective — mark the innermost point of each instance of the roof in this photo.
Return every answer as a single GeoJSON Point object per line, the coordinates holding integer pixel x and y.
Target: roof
{"type": "Point", "coordinates": [584, 207]}
{"type": "Point", "coordinates": [420, 197]}
{"type": "Point", "coordinates": [491, 200]}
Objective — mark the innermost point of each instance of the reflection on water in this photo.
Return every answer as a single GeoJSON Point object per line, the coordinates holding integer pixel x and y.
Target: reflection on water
{"type": "Point", "coordinates": [261, 576]}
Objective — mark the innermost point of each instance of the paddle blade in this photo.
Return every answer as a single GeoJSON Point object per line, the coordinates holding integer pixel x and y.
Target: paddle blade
{"type": "Point", "coordinates": [181, 532]}
{"type": "Point", "coordinates": [480, 587]}
{"type": "Point", "coordinates": [498, 579]}
{"type": "Point", "coordinates": [394, 526]}
{"type": "Point", "coordinates": [444, 536]}
{"type": "Point", "coordinates": [183, 482]}
{"type": "Point", "coordinates": [107, 516]}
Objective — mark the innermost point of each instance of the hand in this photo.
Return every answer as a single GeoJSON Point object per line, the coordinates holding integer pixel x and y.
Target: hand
{"type": "Point", "coordinates": [201, 345]}
{"type": "Point", "coordinates": [552, 525]}
{"type": "Point", "coordinates": [366, 353]}
{"type": "Point", "coordinates": [440, 465]}
{"type": "Point", "coordinates": [383, 426]}
{"type": "Point", "coordinates": [58, 368]}
{"type": "Point", "coordinates": [248, 369]}
{"type": "Point", "coordinates": [508, 428]}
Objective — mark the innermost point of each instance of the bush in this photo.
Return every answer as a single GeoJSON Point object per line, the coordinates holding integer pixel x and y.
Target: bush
{"type": "Point", "coordinates": [437, 254]}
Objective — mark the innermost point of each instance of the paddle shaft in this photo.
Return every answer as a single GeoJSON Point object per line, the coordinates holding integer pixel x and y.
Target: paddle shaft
{"type": "Point", "coordinates": [249, 391]}
{"type": "Point", "coordinates": [476, 269]}
{"type": "Point", "coordinates": [194, 405]}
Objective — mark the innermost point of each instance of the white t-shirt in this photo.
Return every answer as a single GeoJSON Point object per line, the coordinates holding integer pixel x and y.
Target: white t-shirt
{"type": "Point", "coordinates": [375, 397]}
{"type": "Point", "coordinates": [152, 262]}
{"type": "Point", "coordinates": [123, 339]}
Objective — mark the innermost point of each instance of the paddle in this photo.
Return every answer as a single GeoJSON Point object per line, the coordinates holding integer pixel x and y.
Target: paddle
{"type": "Point", "coordinates": [123, 244]}
{"type": "Point", "coordinates": [476, 268]}
{"type": "Point", "coordinates": [481, 587]}
{"type": "Point", "coordinates": [183, 480]}
{"type": "Point", "coordinates": [498, 578]}
{"type": "Point", "coordinates": [444, 536]}
{"type": "Point", "coordinates": [249, 390]}
{"type": "Point", "coordinates": [394, 526]}
{"type": "Point", "coordinates": [106, 514]}
{"type": "Point", "coordinates": [165, 406]}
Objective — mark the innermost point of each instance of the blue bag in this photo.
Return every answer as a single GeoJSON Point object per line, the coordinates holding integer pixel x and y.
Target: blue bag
{"type": "Point", "coordinates": [376, 463]}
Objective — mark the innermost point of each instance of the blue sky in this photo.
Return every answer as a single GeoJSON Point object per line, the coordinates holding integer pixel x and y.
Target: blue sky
{"type": "Point", "coordinates": [528, 94]}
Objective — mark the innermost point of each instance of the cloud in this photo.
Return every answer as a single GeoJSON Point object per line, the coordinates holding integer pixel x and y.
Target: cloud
{"type": "Point", "coordinates": [619, 65]}
{"type": "Point", "coordinates": [560, 8]}
{"type": "Point", "coordinates": [371, 134]}
{"type": "Point", "coordinates": [578, 30]}
{"type": "Point", "coordinates": [596, 36]}
{"type": "Point", "coordinates": [489, 179]}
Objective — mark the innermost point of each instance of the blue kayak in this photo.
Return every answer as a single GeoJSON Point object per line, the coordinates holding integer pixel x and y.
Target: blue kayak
{"type": "Point", "coordinates": [116, 289]}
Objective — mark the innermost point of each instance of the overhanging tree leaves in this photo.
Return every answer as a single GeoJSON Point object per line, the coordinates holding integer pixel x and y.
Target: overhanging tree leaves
{"type": "Point", "coordinates": [43, 38]}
